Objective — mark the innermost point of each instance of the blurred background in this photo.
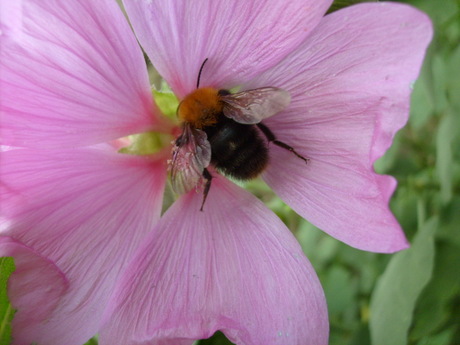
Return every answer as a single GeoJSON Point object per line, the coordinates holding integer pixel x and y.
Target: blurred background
{"type": "Point", "coordinates": [412, 297]}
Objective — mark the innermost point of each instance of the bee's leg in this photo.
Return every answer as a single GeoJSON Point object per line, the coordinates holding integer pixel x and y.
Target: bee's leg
{"type": "Point", "coordinates": [208, 177]}
{"type": "Point", "coordinates": [272, 139]}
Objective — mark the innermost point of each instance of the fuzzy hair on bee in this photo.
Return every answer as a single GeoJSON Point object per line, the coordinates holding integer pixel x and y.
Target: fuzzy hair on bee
{"type": "Point", "coordinates": [224, 130]}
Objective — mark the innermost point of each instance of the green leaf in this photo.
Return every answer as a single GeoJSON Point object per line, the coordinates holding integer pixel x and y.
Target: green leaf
{"type": "Point", "coordinates": [440, 15]}
{"type": "Point", "coordinates": [397, 290]}
{"type": "Point", "coordinates": [453, 81]}
{"type": "Point", "coordinates": [444, 338]}
{"type": "Point", "coordinates": [449, 231]}
{"type": "Point", "coordinates": [338, 290]}
{"type": "Point", "coordinates": [361, 336]}
{"type": "Point", "coordinates": [6, 312]}
{"type": "Point", "coordinates": [440, 75]}
{"type": "Point", "coordinates": [422, 99]}
{"type": "Point", "coordinates": [319, 247]}
{"type": "Point", "coordinates": [338, 4]}
{"type": "Point", "coordinates": [437, 299]}
{"type": "Point", "coordinates": [446, 134]}
{"type": "Point", "coordinates": [404, 206]}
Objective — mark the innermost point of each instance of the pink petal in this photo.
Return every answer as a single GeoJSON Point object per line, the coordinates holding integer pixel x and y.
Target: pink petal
{"type": "Point", "coordinates": [84, 211]}
{"type": "Point", "coordinates": [72, 74]}
{"type": "Point", "coordinates": [37, 285]}
{"type": "Point", "coordinates": [234, 267]}
{"type": "Point", "coordinates": [350, 84]}
{"type": "Point", "coordinates": [241, 38]}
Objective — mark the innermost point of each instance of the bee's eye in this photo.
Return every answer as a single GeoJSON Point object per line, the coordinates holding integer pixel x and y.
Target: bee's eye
{"type": "Point", "coordinates": [223, 92]}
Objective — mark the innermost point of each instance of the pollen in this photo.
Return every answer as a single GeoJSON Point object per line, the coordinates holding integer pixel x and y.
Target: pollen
{"type": "Point", "coordinates": [201, 107]}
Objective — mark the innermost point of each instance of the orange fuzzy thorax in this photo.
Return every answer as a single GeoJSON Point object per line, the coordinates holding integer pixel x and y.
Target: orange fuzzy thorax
{"type": "Point", "coordinates": [201, 107]}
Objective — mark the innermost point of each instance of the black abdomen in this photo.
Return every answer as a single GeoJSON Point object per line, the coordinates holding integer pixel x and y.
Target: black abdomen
{"type": "Point", "coordinates": [237, 150]}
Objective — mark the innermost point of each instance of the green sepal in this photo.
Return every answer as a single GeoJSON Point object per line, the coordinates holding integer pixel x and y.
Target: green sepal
{"type": "Point", "coordinates": [6, 311]}
{"type": "Point", "coordinates": [166, 101]}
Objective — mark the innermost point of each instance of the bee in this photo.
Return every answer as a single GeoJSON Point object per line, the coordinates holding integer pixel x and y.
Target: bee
{"type": "Point", "coordinates": [224, 130]}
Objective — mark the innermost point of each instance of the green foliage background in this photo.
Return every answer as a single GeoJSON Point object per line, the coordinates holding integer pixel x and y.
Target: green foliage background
{"type": "Point", "coordinates": [412, 297]}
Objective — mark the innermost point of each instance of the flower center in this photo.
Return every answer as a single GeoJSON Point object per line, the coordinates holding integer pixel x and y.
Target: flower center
{"type": "Point", "coordinates": [149, 143]}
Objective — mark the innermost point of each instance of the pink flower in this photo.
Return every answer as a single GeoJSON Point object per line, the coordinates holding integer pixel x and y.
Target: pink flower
{"type": "Point", "coordinates": [83, 221]}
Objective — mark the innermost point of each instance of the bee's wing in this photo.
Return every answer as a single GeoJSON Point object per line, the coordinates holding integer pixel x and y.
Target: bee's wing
{"type": "Point", "coordinates": [191, 155]}
{"type": "Point", "coordinates": [252, 106]}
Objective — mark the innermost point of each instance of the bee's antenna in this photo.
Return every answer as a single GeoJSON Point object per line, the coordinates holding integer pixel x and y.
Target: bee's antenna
{"type": "Point", "coordinates": [199, 73]}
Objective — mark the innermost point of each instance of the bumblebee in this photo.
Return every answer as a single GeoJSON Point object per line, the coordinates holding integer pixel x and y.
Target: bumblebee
{"type": "Point", "coordinates": [224, 130]}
